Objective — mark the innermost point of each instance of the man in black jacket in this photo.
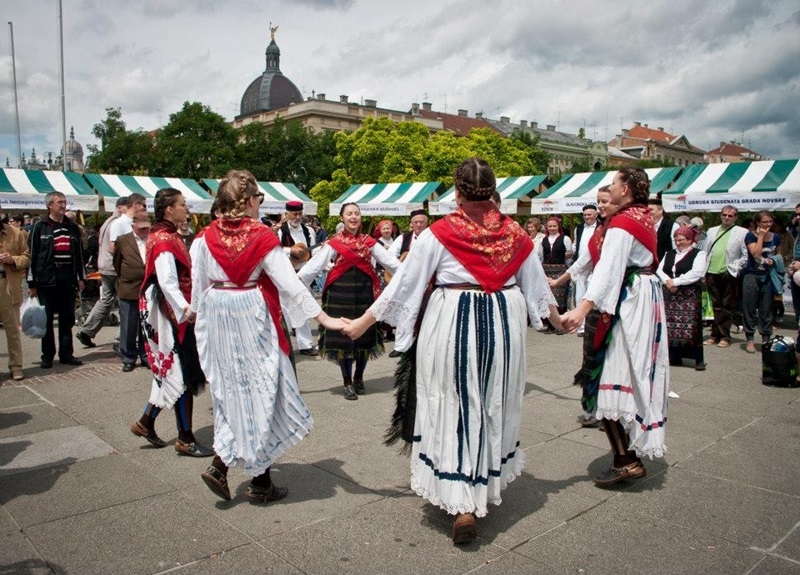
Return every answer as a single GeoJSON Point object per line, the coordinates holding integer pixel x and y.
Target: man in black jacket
{"type": "Point", "coordinates": [56, 270]}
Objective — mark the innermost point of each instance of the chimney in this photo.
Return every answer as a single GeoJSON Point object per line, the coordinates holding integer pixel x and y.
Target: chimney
{"type": "Point", "coordinates": [504, 119]}
{"type": "Point", "coordinates": [523, 123]}
{"type": "Point", "coordinates": [415, 109]}
{"type": "Point", "coordinates": [646, 126]}
{"type": "Point", "coordinates": [370, 103]}
{"type": "Point", "coordinates": [534, 125]}
{"type": "Point", "coordinates": [462, 113]}
{"type": "Point", "coordinates": [343, 98]}
{"type": "Point", "coordinates": [660, 128]}
{"type": "Point", "coordinates": [551, 128]}
{"type": "Point", "coordinates": [637, 123]}
{"type": "Point", "coordinates": [626, 133]}
{"type": "Point", "coordinates": [479, 115]}
{"type": "Point", "coordinates": [320, 96]}
{"type": "Point", "coordinates": [427, 106]}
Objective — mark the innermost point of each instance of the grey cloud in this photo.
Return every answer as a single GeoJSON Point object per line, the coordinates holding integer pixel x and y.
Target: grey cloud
{"type": "Point", "coordinates": [325, 4]}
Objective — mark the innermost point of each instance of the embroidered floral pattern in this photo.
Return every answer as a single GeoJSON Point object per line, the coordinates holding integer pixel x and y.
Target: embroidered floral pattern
{"type": "Point", "coordinates": [490, 245]}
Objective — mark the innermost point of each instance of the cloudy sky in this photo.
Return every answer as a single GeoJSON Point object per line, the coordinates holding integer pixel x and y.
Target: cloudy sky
{"type": "Point", "coordinates": [713, 71]}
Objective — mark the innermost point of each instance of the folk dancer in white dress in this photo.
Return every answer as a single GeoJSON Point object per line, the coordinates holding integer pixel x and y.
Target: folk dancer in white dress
{"type": "Point", "coordinates": [470, 370]}
{"type": "Point", "coordinates": [634, 384]}
{"type": "Point", "coordinates": [168, 324]}
{"type": "Point", "coordinates": [240, 276]}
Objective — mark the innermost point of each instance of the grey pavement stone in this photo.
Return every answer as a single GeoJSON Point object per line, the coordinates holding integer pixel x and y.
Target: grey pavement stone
{"type": "Point", "coordinates": [601, 541]}
{"type": "Point", "coordinates": [149, 536]}
{"type": "Point", "coordinates": [18, 395]}
{"type": "Point", "coordinates": [45, 448]}
{"type": "Point", "coordinates": [738, 513]}
{"type": "Point", "coordinates": [251, 558]}
{"type": "Point", "coordinates": [385, 538]}
{"type": "Point", "coordinates": [753, 456]}
{"type": "Point", "coordinates": [32, 419]}
{"type": "Point", "coordinates": [33, 498]}
{"type": "Point", "coordinates": [18, 556]}
{"type": "Point", "coordinates": [772, 565]}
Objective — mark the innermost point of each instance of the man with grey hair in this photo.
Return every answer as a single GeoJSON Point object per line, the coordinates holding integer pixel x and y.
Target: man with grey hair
{"type": "Point", "coordinates": [56, 271]}
{"type": "Point", "coordinates": [726, 256]}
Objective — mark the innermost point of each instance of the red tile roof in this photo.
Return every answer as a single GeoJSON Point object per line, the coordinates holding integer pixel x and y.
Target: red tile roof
{"type": "Point", "coordinates": [643, 133]}
{"type": "Point", "coordinates": [459, 125]}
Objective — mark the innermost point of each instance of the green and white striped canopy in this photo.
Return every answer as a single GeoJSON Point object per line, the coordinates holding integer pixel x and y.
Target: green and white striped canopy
{"type": "Point", "coordinates": [112, 187]}
{"type": "Point", "coordinates": [513, 192]}
{"type": "Point", "coordinates": [26, 189]}
{"type": "Point", "coordinates": [574, 191]}
{"type": "Point", "coordinates": [749, 186]}
{"type": "Point", "coordinates": [387, 199]}
{"type": "Point", "coordinates": [276, 194]}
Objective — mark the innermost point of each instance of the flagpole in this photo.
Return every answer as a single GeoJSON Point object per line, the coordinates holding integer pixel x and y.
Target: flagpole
{"type": "Point", "coordinates": [61, 85]}
{"type": "Point", "coordinates": [16, 103]}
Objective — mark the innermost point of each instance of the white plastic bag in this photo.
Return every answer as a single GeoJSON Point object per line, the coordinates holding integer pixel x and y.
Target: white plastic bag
{"type": "Point", "coordinates": [34, 318]}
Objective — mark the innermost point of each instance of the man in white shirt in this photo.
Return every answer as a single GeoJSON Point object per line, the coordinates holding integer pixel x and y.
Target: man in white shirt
{"type": "Point", "coordinates": [108, 277]}
{"type": "Point", "coordinates": [402, 244]}
{"type": "Point", "coordinates": [665, 228]}
{"type": "Point", "coordinates": [583, 233]}
{"type": "Point", "coordinates": [726, 256]}
{"type": "Point", "coordinates": [298, 241]}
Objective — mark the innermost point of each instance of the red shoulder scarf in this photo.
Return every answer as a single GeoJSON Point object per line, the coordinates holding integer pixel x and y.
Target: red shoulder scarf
{"type": "Point", "coordinates": [353, 250]}
{"type": "Point", "coordinates": [238, 245]}
{"type": "Point", "coordinates": [637, 221]}
{"type": "Point", "coordinates": [596, 243]}
{"type": "Point", "coordinates": [164, 238]}
{"type": "Point", "coordinates": [490, 245]}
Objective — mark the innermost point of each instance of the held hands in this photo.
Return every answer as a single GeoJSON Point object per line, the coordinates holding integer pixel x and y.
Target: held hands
{"type": "Point", "coordinates": [355, 328]}
{"type": "Point", "coordinates": [5, 258]}
{"type": "Point", "coordinates": [334, 323]}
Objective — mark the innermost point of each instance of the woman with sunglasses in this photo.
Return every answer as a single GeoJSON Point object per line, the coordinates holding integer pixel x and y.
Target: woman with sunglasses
{"type": "Point", "coordinates": [240, 275]}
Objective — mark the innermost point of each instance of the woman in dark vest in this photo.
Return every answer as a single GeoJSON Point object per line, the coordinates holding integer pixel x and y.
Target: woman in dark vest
{"type": "Point", "coordinates": [681, 271]}
{"type": "Point", "coordinates": [350, 288]}
{"type": "Point", "coordinates": [555, 248]}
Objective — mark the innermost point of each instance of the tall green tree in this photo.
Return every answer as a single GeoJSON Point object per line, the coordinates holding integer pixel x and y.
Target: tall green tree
{"type": "Point", "coordinates": [286, 151]}
{"type": "Point", "coordinates": [196, 143]}
{"type": "Point", "coordinates": [121, 151]}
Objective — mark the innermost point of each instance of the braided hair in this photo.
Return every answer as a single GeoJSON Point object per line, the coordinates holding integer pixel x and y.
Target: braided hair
{"type": "Point", "coordinates": [165, 197]}
{"type": "Point", "coordinates": [474, 178]}
{"type": "Point", "coordinates": [638, 182]}
{"type": "Point", "coordinates": [234, 190]}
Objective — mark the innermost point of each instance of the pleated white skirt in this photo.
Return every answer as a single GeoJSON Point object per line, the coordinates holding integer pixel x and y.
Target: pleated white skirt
{"type": "Point", "coordinates": [470, 382]}
{"type": "Point", "coordinates": [258, 411]}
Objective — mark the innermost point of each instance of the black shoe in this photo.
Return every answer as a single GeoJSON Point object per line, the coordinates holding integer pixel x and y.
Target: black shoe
{"type": "Point", "coordinates": [395, 353]}
{"type": "Point", "coordinates": [144, 363]}
{"type": "Point", "coordinates": [85, 339]}
{"type": "Point", "coordinates": [358, 386]}
{"type": "Point", "coordinates": [192, 449]}
{"type": "Point", "coordinates": [701, 366]}
{"type": "Point", "coordinates": [126, 367]}
{"type": "Point", "coordinates": [46, 364]}
{"type": "Point", "coordinates": [311, 351]}
{"type": "Point", "coordinates": [349, 392]}
{"type": "Point", "coordinates": [72, 360]}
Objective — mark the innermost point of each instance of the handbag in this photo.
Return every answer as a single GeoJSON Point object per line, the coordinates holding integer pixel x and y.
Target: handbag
{"type": "Point", "coordinates": [33, 318]}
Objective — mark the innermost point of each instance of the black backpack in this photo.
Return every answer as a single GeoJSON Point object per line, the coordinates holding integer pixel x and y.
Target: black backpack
{"type": "Point", "coordinates": [779, 363]}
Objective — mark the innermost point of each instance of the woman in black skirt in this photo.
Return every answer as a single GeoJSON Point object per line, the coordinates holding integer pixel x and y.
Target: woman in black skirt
{"type": "Point", "coordinates": [350, 288]}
